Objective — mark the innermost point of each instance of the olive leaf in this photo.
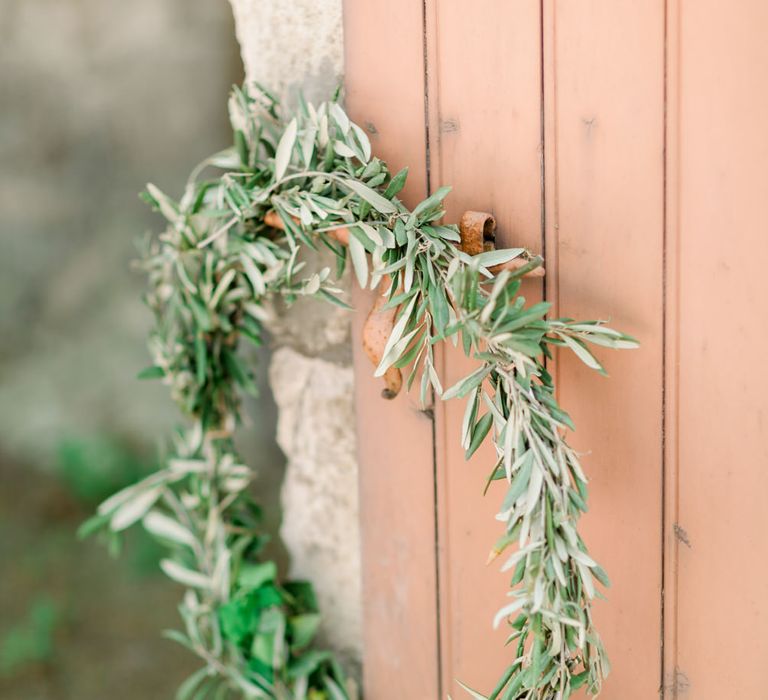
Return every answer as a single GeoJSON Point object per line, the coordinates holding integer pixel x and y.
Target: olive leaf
{"type": "Point", "coordinates": [285, 149]}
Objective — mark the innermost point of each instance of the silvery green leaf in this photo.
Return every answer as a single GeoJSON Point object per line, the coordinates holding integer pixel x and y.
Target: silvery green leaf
{"type": "Point", "coordinates": [470, 413]}
{"type": "Point", "coordinates": [534, 489]}
{"type": "Point", "coordinates": [372, 232]}
{"type": "Point", "coordinates": [359, 261]}
{"type": "Point", "coordinates": [559, 571]}
{"type": "Point", "coordinates": [343, 150]}
{"type": "Point", "coordinates": [510, 440]}
{"type": "Point", "coordinates": [188, 466]}
{"type": "Point", "coordinates": [545, 454]}
{"type": "Point", "coordinates": [235, 484]}
{"type": "Point", "coordinates": [220, 580]}
{"type": "Point", "coordinates": [567, 528]}
{"type": "Point", "coordinates": [521, 471]}
{"type": "Point", "coordinates": [134, 509]}
{"type": "Point", "coordinates": [582, 353]}
{"type": "Point", "coordinates": [498, 257]}
{"type": "Point", "coordinates": [308, 144]}
{"type": "Point", "coordinates": [377, 260]}
{"type": "Point", "coordinates": [424, 385]}
{"type": "Point", "coordinates": [615, 343]}
{"type": "Point", "coordinates": [311, 285]}
{"type": "Point", "coordinates": [395, 335]}
{"type": "Point", "coordinates": [336, 692]}
{"type": "Point", "coordinates": [580, 556]}
{"type": "Point", "coordinates": [300, 688]}
{"type": "Point", "coordinates": [323, 135]}
{"type": "Point", "coordinates": [305, 215]}
{"type": "Point", "coordinates": [387, 237]}
{"type": "Point", "coordinates": [520, 553]}
{"type": "Point", "coordinates": [181, 574]}
{"type": "Point", "coordinates": [466, 384]}
{"type": "Point", "coordinates": [525, 530]}
{"type": "Point", "coordinates": [429, 203]}
{"type": "Point", "coordinates": [362, 139]}
{"type": "Point", "coordinates": [595, 327]}
{"type": "Point", "coordinates": [373, 198]}
{"type": "Point", "coordinates": [312, 110]}
{"type": "Point", "coordinates": [394, 267]}
{"type": "Point", "coordinates": [285, 149]}
{"type": "Point", "coordinates": [434, 379]}
{"type": "Point", "coordinates": [253, 274]}
{"type": "Point", "coordinates": [167, 208]}
{"type": "Point", "coordinates": [538, 595]}
{"type": "Point", "coordinates": [167, 528]}
{"type": "Point", "coordinates": [236, 110]}
{"type": "Point", "coordinates": [260, 253]}
{"type": "Point", "coordinates": [191, 684]}
{"type": "Point", "coordinates": [321, 213]}
{"type": "Point", "coordinates": [226, 160]}
{"type": "Point", "coordinates": [398, 349]}
{"type": "Point", "coordinates": [339, 116]}
{"type": "Point", "coordinates": [124, 495]}
{"type": "Point", "coordinates": [250, 690]}
{"type": "Point", "coordinates": [473, 693]}
{"type": "Point", "coordinates": [498, 419]}
{"type": "Point", "coordinates": [222, 287]}
{"type": "Point", "coordinates": [410, 260]}
{"type": "Point", "coordinates": [507, 610]}
{"type": "Point", "coordinates": [448, 233]}
{"type": "Point", "coordinates": [453, 268]}
{"type": "Point", "coordinates": [586, 579]}
{"type": "Point", "coordinates": [498, 288]}
{"type": "Point", "coordinates": [179, 638]}
{"type": "Point", "coordinates": [570, 621]}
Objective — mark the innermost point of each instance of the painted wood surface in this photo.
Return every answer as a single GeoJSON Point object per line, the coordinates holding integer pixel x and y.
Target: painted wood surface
{"type": "Point", "coordinates": [385, 94]}
{"type": "Point", "coordinates": [716, 379]}
{"type": "Point", "coordinates": [604, 144]}
{"type": "Point", "coordinates": [485, 142]}
{"type": "Point", "coordinates": [627, 142]}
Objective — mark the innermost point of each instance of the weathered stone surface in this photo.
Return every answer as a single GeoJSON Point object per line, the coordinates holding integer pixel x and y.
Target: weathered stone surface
{"type": "Point", "coordinates": [320, 503]}
{"type": "Point", "coordinates": [291, 46]}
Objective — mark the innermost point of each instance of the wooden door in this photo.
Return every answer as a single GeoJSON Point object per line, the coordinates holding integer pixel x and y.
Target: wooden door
{"type": "Point", "coordinates": [626, 142]}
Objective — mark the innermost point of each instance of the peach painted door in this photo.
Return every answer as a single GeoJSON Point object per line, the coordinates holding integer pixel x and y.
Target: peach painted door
{"type": "Point", "coordinates": [625, 141]}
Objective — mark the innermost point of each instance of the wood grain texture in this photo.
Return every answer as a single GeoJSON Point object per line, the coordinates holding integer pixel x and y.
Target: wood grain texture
{"type": "Point", "coordinates": [385, 94]}
{"type": "Point", "coordinates": [604, 140]}
{"type": "Point", "coordinates": [485, 132]}
{"type": "Point", "coordinates": [643, 125]}
{"type": "Point", "coordinates": [718, 240]}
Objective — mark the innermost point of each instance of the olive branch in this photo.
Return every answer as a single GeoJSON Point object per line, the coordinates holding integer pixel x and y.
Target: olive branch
{"type": "Point", "coordinates": [233, 241]}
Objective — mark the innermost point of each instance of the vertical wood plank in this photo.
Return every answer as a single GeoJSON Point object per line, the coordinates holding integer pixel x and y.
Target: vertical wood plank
{"type": "Point", "coordinates": [604, 111]}
{"type": "Point", "coordinates": [721, 242]}
{"type": "Point", "coordinates": [485, 128]}
{"type": "Point", "coordinates": [669, 676]}
{"type": "Point", "coordinates": [385, 94]}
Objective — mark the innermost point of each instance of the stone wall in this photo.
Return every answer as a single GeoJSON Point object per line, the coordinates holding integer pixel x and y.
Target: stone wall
{"type": "Point", "coordinates": [287, 47]}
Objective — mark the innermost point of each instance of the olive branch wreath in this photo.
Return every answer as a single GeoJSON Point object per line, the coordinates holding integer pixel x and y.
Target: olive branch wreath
{"type": "Point", "coordinates": [231, 244]}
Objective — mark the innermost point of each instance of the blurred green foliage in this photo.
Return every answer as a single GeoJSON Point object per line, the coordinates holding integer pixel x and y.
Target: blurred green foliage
{"type": "Point", "coordinates": [92, 468]}
{"type": "Point", "coordinates": [31, 640]}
